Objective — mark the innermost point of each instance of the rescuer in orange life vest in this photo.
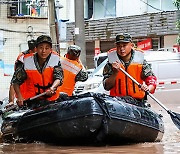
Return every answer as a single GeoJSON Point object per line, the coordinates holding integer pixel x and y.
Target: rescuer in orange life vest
{"type": "Point", "coordinates": [41, 71]}
{"type": "Point", "coordinates": [73, 70]}
{"type": "Point", "coordinates": [18, 64]}
{"type": "Point", "coordinates": [133, 62]}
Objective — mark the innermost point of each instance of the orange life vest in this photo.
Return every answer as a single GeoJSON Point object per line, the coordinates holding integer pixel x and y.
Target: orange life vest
{"type": "Point", "coordinates": [124, 86]}
{"type": "Point", "coordinates": [70, 69]}
{"type": "Point", "coordinates": [39, 82]}
{"type": "Point", "coordinates": [23, 87]}
{"type": "Point", "coordinates": [22, 54]}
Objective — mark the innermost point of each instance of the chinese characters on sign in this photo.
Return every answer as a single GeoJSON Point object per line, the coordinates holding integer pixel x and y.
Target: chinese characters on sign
{"type": "Point", "coordinates": [145, 44]}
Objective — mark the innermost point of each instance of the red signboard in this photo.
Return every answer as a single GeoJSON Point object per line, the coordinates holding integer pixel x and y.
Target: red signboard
{"type": "Point", "coordinates": [177, 47]}
{"type": "Point", "coordinates": [97, 51]}
{"type": "Point", "coordinates": [145, 45]}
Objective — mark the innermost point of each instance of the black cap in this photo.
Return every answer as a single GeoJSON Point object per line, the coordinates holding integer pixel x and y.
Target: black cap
{"type": "Point", "coordinates": [44, 38]}
{"type": "Point", "coordinates": [31, 44]}
{"type": "Point", "coordinates": [125, 37]}
{"type": "Point", "coordinates": [76, 50]}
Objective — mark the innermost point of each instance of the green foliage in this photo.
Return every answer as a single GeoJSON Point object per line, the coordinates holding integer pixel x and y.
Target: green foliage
{"type": "Point", "coordinates": [177, 4]}
{"type": "Point", "coordinates": [178, 40]}
{"type": "Point", "coordinates": [178, 24]}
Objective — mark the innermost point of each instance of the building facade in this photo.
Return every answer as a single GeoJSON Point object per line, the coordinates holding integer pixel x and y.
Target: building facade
{"type": "Point", "coordinates": [20, 21]}
{"type": "Point", "coordinates": [145, 20]}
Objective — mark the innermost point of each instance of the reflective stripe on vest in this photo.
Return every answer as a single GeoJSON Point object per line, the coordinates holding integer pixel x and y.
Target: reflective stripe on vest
{"type": "Point", "coordinates": [21, 57]}
{"type": "Point", "coordinates": [30, 65]}
{"type": "Point", "coordinates": [70, 66]}
{"type": "Point", "coordinates": [113, 57]}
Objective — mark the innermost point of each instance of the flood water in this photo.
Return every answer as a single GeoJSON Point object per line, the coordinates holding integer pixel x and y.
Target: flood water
{"type": "Point", "coordinates": [170, 143]}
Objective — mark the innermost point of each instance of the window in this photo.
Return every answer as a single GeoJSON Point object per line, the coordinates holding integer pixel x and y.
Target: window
{"type": "Point", "coordinates": [104, 8]}
{"type": "Point", "coordinates": [110, 10]}
{"type": "Point", "coordinates": [160, 5]}
{"type": "Point", "coordinates": [88, 9]}
{"type": "Point", "coordinates": [35, 8]}
{"type": "Point", "coordinates": [167, 5]}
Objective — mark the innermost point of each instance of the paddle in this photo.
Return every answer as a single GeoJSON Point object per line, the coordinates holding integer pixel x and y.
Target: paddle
{"type": "Point", "coordinates": [34, 97]}
{"type": "Point", "coordinates": [25, 101]}
{"type": "Point", "coordinates": [174, 116]}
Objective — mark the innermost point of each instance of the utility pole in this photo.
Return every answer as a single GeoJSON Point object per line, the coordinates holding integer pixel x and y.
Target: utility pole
{"type": "Point", "coordinates": [80, 29]}
{"type": "Point", "coordinates": [53, 25]}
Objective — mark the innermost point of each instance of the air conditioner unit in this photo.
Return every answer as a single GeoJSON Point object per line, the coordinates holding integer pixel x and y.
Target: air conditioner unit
{"type": "Point", "coordinates": [13, 10]}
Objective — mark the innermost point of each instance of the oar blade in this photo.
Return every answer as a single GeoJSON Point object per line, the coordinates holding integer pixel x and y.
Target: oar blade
{"type": "Point", "coordinates": [175, 118]}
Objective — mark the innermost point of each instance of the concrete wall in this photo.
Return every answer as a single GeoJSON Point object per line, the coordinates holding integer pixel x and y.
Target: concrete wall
{"type": "Point", "coordinates": [67, 12]}
{"type": "Point", "coordinates": [170, 40]}
{"type": "Point", "coordinates": [14, 32]}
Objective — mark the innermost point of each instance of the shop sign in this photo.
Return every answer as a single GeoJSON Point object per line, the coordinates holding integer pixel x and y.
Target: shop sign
{"type": "Point", "coordinates": [145, 44]}
{"type": "Point", "coordinates": [97, 51]}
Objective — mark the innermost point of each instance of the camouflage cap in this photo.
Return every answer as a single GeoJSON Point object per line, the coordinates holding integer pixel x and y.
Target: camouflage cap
{"type": "Point", "coordinates": [32, 44]}
{"type": "Point", "coordinates": [125, 37]}
{"type": "Point", "coordinates": [44, 38]}
{"type": "Point", "coordinates": [76, 50]}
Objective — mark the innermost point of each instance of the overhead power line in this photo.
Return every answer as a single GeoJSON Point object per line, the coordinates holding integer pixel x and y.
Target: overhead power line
{"type": "Point", "coordinates": [151, 5]}
{"type": "Point", "coordinates": [111, 15]}
{"type": "Point", "coordinates": [10, 2]}
{"type": "Point", "coordinates": [14, 31]}
{"type": "Point", "coordinates": [140, 0]}
{"type": "Point", "coordinates": [21, 1]}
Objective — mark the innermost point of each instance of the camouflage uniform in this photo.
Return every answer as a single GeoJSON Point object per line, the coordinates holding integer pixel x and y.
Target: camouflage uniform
{"type": "Point", "coordinates": [82, 76]}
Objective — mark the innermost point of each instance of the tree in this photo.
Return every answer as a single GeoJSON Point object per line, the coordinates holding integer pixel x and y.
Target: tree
{"type": "Point", "coordinates": [177, 5]}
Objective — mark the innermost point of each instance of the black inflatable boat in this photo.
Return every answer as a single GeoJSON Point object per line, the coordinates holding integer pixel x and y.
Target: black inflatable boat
{"type": "Point", "coordinates": [89, 118]}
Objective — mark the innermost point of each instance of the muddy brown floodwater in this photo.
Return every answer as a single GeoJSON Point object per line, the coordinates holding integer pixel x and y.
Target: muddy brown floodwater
{"type": "Point", "coordinates": [170, 143]}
